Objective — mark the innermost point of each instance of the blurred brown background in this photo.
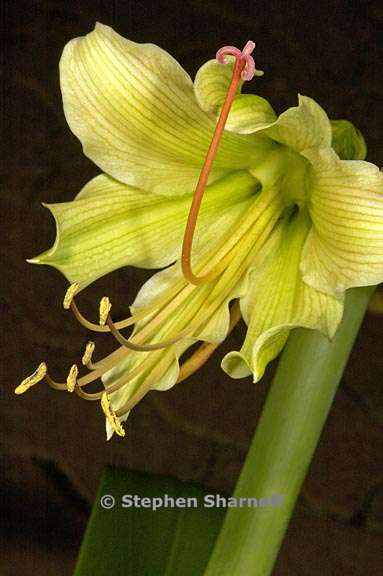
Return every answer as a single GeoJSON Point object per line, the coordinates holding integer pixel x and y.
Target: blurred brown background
{"type": "Point", "coordinates": [52, 445]}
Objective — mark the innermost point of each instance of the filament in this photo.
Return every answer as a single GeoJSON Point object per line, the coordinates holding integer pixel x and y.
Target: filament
{"type": "Point", "coordinates": [142, 347]}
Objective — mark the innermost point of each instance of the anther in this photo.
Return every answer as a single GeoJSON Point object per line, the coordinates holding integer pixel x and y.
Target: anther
{"type": "Point", "coordinates": [70, 294]}
{"type": "Point", "coordinates": [33, 379]}
{"type": "Point", "coordinates": [111, 416]}
{"type": "Point", "coordinates": [105, 307]}
{"type": "Point", "coordinates": [72, 378]}
{"type": "Point", "coordinates": [87, 357]}
{"type": "Point", "coordinates": [244, 69]}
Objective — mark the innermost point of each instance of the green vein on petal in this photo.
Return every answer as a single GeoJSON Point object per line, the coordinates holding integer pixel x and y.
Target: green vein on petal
{"type": "Point", "coordinates": [278, 300]}
{"type": "Point", "coordinates": [345, 247]}
{"type": "Point", "coordinates": [111, 225]}
{"type": "Point", "coordinates": [133, 108]}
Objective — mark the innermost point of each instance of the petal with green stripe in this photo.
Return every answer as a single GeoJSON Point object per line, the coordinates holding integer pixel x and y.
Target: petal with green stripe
{"type": "Point", "coordinates": [248, 112]}
{"type": "Point", "coordinates": [345, 247]}
{"type": "Point", "coordinates": [134, 110]}
{"type": "Point", "coordinates": [212, 82]}
{"type": "Point", "coordinates": [111, 225]}
{"type": "Point", "coordinates": [278, 300]}
{"type": "Point", "coordinates": [303, 126]}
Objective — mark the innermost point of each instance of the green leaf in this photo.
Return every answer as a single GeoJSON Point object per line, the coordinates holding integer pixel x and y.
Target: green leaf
{"type": "Point", "coordinates": [144, 542]}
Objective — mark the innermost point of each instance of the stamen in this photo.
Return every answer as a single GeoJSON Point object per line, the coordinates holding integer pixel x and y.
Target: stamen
{"type": "Point", "coordinates": [72, 378]}
{"type": "Point", "coordinates": [105, 307]}
{"type": "Point", "coordinates": [84, 322]}
{"type": "Point", "coordinates": [33, 379]}
{"type": "Point", "coordinates": [111, 416]}
{"type": "Point", "coordinates": [86, 396]}
{"type": "Point", "coordinates": [70, 294]}
{"type": "Point", "coordinates": [87, 357]}
{"type": "Point", "coordinates": [116, 386]}
{"type": "Point", "coordinates": [244, 69]}
{"type": "Point", "coordinates": [142, 347]}
{"type": "Point", "coordinates": [107, 363]}
{"type": "Point", "coordinates": [55, 385]}
{"type": "Point", "coordinates": [130, 321]}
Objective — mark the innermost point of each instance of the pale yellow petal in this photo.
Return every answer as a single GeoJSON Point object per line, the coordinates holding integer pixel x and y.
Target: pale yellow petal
{"type": "Point", "coordinates": [133, 108]}
{"type": "Point", "coordinates": [301, 127]}
{"type": "Point", "coordinates": [345, 247]}
{"type": "Point", "coordinates": [112, 225]}
{"type": "Point", "coordinates": [278, 300]}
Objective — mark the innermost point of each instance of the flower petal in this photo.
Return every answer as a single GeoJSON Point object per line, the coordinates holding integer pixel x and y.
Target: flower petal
{"type": "Point", "coordinates": [345, 247]}
{"type": "Point", "coordinates": [278, 300]}
{"type": "Point", "coordinates": [304, 126]}
{"type": "Point", "coordinates": [347, 141]}
{"type": "Point", "coordinates": [212, 82]}
{"type": "Point", "coordinates": [133, 108]}
{"type": "Point", "coordinates": [248, 113]}
{"type": "Point", "coordinates": [210, 328]}
{"type": "Point", "coordinates": [111, 225]}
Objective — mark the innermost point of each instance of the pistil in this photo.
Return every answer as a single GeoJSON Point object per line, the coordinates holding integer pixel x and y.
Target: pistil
{"type": "Point", "coordinates": [244, 69]}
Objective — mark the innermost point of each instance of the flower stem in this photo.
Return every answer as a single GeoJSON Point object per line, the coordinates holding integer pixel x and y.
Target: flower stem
{"type": "Point", "coordinates": [287, 434]}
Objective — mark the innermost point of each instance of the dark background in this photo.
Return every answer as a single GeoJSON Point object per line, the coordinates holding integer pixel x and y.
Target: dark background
{"type": "Point", "coordinates": [53, 445]}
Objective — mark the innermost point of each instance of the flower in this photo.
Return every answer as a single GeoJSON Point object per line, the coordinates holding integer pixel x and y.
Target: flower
{"type": "Point", "coordinates": [291, 218]}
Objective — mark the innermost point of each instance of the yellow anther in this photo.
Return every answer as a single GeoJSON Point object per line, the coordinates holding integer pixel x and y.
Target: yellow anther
{"type": "Point", "coordinates": [105, 307]}
{"type": "Point", "coordinates": [32, 380]}
{"type": "Point", "coordinates": [110, 415]}
{"type": "Point", "coordinates": [70, 294]}
{"type": "Point", "coordinates": [87, 357]}
{"type": "Point", "coordinates": [72, 378]}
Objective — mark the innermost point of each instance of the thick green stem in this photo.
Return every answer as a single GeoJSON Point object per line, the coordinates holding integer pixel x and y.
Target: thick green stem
{"type": "Point", "coordinates": [288, 431]}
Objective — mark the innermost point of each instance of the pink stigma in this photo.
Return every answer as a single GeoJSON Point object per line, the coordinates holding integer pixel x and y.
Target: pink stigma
{"type": "Point", "coordinates": [244, 55]}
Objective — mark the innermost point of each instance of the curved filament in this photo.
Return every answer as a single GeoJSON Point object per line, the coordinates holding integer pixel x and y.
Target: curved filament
{"type": "Point", "coordinates": [142, 347]}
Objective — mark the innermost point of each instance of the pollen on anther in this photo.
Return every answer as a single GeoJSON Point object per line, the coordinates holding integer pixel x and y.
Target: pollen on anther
{"type": "Point", "coordinates": [105, 307]}
{"type": "Point", "coordinates": [110, 415]}
{"type": "Point", "coordinates": [89, 349]}
{"type": "Point", "coordinates": [72, 378]}
{"type": "Point", "coordinates": [70, 294]}
{"type": "Point", "coordinates": [33, 379]}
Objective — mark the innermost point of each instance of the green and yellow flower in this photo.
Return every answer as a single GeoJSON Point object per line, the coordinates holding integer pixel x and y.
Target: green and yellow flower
{"type": "Point", "coordinates": [291, 218]}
